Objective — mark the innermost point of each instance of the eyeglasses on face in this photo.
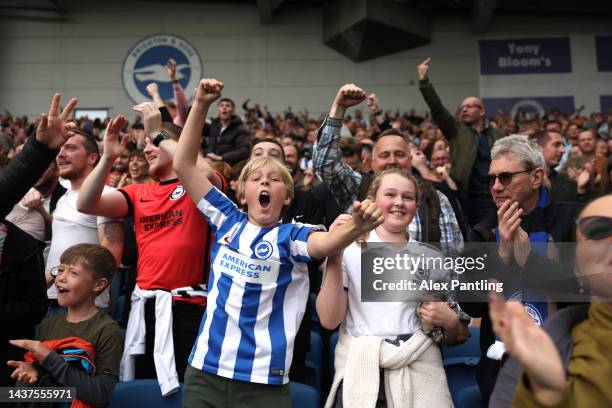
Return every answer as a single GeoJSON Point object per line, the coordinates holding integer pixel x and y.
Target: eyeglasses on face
{"type": "Point", "coordinates": [595, 227]}
{"type": "Point", "coordinates": [471, 106]}
{"type": "Point", "coordinates": [504, 177]}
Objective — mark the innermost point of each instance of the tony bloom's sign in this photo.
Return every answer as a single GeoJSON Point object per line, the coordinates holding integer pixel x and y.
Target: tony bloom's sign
{"type": "Point", "coordinates": [525, 56]}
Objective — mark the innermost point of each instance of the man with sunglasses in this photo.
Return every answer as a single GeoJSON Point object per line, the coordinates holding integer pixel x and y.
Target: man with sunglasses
{"type": "Point", "coordinates": [525, 225]}
{"type": "Point", "coordinates": [470, 138]}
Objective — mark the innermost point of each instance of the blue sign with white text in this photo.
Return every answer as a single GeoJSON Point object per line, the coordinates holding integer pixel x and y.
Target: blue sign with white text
{"type": "Point", "coordinates": [603, 49]}
{"type": "Point", "coordinates": [529, 104]}
{"type": "Point", "coordinates": [525, 56]}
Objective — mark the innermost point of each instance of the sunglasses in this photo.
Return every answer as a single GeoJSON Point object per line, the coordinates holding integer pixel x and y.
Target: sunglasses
{"type": "Point", "coordinates": [595, 228]}
{"type": "Point", "coordinates": [504, 178]}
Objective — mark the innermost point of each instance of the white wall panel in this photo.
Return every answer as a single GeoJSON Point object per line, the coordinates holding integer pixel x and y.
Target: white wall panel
{"type": "Point", "coordinates": [281, 64]}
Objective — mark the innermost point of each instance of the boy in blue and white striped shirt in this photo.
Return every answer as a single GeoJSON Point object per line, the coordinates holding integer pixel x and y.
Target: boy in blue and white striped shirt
{"type": "Point", "coordinates": [258, 285]}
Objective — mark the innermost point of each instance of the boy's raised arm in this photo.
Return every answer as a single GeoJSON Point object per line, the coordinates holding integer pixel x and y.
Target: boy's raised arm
{"type": "Point", "coordinates": [366, 217]}
{"type": "Point", "coordinates": [186, 155]}
{"type": "Point", "coordinates": [91, 200]}
{"type": "Point", "coordinates": [152, 126]}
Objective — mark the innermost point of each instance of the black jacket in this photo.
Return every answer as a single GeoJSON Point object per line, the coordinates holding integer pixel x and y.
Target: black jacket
{"type": "Point", "coordinates": [233, 144]}
{"type": "Point", "coordinates": [23, 291]}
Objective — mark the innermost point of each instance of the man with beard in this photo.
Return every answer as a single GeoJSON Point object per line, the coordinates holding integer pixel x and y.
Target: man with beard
{"type": "Point", "coordinates": [76, 160]}
{"type": "Point", "coordinates": [470, 138]}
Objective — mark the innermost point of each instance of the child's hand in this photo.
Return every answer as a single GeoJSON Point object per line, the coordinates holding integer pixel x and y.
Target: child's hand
{"type": "Point", "coordinates": [438, 314]}
{"type": "Point", "coordinates": [34, 346]}
{"type": "Point", "coordinates": [24, 373]}
{"type": "Point", "coordinates": [366, 215]}
{"type": "Point", "coordinates": [342, 219]}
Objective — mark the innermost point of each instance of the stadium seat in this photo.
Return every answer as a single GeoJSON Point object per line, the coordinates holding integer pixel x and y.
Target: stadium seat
{"type": "Point", "coordinates": [312, 375]}
{"type": "Point", "coordinates": [144, 394]}
{"type": "Point", "coordinates": [315, 354]}
{"type": "Point", "coordinates": [303, 396]}
{"type": "Point", "coordinates": [460, 376]}
{"type": "Point", "coordinates": [469, 398]}
{"type": "Point", "coordinates": [314, 360]}
{"type": "Point", "coordinates": [460, 366]}
{"type": "Point", "coordinates": [466, 353]}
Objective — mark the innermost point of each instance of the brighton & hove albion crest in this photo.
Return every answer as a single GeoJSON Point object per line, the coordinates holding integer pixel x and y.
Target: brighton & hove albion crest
{"type": "Point", "coordinates": [145, 63]}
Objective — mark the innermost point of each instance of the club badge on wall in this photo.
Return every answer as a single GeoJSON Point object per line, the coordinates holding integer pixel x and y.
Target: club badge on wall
{"type": "Point", "coordinates": [145, 62]}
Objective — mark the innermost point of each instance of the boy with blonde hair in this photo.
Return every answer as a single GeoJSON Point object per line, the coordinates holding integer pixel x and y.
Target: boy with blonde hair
{"type": "Point", "coordinates": [258, 285]}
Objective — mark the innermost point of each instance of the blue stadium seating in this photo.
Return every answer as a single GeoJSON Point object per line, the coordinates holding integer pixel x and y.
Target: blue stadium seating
{"type": "Point", "coordinates": [304, 396]}
{"type": "Point", "coordinates": [466, 353]}
{"type": "Point", "coordinates": [314, 360]}
{"type": "Point", "coordinates": [469, 398]}
{"type": "Point", "coordinates": [460, 366]}
{"type": "Point", "coordinates": [143, 394]}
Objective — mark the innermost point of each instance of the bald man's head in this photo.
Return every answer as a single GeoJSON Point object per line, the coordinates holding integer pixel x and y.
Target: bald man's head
{"type": "Point", "coordinates": [472, 111]}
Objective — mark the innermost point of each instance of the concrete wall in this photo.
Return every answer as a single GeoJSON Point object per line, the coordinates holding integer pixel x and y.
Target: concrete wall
{"type": "Point", "coordinates": [279, 65]}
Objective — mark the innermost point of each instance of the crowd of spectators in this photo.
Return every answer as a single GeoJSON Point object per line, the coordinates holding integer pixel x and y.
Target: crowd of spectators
{"type": "Point", "coordinates": [479, 177]}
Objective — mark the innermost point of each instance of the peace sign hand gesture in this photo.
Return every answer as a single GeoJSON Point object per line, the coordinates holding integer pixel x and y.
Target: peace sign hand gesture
{"type": "Point", "coordinates": [54, 129]}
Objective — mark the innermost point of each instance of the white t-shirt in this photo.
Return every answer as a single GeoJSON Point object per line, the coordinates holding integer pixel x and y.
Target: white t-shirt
{"type": "Point", "coordinates": [71, 227]}
{"type": "Point", "coordinates": [384, 319]}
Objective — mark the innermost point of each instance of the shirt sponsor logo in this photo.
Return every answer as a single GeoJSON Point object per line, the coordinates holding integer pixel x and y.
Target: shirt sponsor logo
{"type": "Point", "coordinates": [161, 220]}
{"type": "Point", "coordinates": [244, 269]}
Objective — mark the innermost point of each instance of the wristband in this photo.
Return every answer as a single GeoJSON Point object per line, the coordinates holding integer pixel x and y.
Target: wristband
{"type": "Point", "coordinates": [161, 136]}
{"type": "Point", "coordinates": [175, 81]}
